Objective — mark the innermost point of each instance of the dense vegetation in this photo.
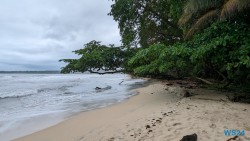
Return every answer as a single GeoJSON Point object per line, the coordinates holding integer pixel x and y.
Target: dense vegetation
{"type": "Point", "coordinates": [200, 38]}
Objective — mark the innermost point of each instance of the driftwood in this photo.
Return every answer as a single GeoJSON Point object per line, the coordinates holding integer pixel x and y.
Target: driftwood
{"type": "Point", "coordinates": [233, 138]}
{"type": "Point", "coordinates": [99, 89]}
{"type": "Point", "coordinates": [121, 82]}
{"type": "Point", "coordinates": [205, 81]}
{"type": "Point", "coordinates": [211, 99]}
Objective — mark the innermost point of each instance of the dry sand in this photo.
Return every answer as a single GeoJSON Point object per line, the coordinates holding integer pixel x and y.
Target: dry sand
{"type": "Point", "coordinates": [155, 114]}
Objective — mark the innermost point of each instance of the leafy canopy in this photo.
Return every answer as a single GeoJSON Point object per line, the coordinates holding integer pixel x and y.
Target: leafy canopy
{"type": "Point", "coordinates": [96, 57]}
{"type": "Point", "coordinates": [144, 22]}
{"type": "Point", "coordinates": [222, 52]}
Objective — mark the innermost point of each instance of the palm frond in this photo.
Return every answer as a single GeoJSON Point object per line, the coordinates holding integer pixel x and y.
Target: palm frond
{"type": "Point", "coordinates": [200, 5]}
{"type": "Point", "coordinates": [188, 11]}
{"type": "Point", "coordinates": [202, 21]}
{"type": "Point", "coordinates": [184, 19]}
{"type": "Point", "coordinates": [229, 9]}
{"type": "Point", "coordinates": [232, 7]}
{"type": "Point", "coordinates": [243, 4]}
{"type": "Point", "coordinates": [194, 7]}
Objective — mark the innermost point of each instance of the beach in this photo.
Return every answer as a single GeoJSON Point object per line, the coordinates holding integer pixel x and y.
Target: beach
{"type": "Point", "coordinates": [156, 113]}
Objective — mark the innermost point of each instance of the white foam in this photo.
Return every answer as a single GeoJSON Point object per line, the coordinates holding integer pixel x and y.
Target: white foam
{"type": "Point", "coordinates": [36, 95]}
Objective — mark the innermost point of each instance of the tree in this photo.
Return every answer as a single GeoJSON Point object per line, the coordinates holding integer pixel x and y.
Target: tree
{"type": "Point", "coordinates": [97, 58]}
{"type": "Point", "coordinates": [199, 13]}
{"type": "Point", "coordinates": [144, 22]}
{"type": "Point", "coordinates": [220, 51]}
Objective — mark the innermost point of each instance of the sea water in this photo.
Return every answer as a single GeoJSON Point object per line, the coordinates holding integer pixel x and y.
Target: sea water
{"type": "Point", "coordinates": [30, 102]}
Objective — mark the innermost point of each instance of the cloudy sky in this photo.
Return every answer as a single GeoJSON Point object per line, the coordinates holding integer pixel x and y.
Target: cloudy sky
{"type": "Point", "coordinates": [35, 34]}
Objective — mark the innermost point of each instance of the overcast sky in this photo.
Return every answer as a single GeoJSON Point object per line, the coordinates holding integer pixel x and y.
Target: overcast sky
{"type": "Point", "coordinates": [35, 34]}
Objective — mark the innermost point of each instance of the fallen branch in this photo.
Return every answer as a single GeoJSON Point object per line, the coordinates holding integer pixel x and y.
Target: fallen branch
{"type": "Point", "coordinates": [205, 81]}
{"type": "Point", "coordinates": [210, 99]}
{"type": "Point", "coordinates": [233, 138]}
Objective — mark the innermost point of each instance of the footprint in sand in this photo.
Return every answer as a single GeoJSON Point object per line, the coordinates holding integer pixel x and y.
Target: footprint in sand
{"type": "Point", "coordinates": [111, 139]}
{"type": "Point", "coordinates": [212, 126]}
{"type": "Point", "coordinates": [158, 121]}
{"type": "Point", "coordinates": [175, 124]}
{"type": "Point", "coordinates": [204, 131]}
{"type": "Point", "coordinates": [148, 126]}
{"type": "Point", "coordinates": [149, 131]}
{"type": "Point", "coordinates": [164, 114]}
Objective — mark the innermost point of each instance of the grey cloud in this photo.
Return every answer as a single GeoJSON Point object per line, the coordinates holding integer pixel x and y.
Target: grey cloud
{"type": "Point", "coordinates": [35, 34]}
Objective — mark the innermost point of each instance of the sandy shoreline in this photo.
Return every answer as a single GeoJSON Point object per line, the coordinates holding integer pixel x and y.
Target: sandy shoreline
{"type": "Point", "coordinates": [155, 114]}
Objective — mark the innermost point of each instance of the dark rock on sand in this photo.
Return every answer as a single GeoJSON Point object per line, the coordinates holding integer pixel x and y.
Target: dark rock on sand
{"type": "Point", "coordinates": [192, 137]}
{"type": "Point", "coordinates": [99, 89]}
{"type": "Point", "coordinates": [186, 94]}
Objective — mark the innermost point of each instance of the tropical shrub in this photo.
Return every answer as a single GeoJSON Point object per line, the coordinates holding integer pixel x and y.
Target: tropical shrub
{"type": "Point", "coordinates": [223, 49]}
{"type": "Point", "coordinates": [159, 59]}
{"type": "Point", "coordinates": [221, 52]}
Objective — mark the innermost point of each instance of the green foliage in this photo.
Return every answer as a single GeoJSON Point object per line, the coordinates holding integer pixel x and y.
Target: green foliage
{"type": "Point", "coordinates": [144, 22]}
{"type": "Point", "coordinates": [224, 49]}
{"type": "Point", "coordinates": [159, 59]}
{"type": "Point", "coordinates": [70, 67]}
{"type": "Point", "coordinates": [96, 57]}
{"type": "Point", "coordinates": [222, 52]}
{"type": "Point", "coordinates": [176, 60]}
{"type": "Point", "coordinates": [145, 61]}
{"type": "Point", "coordinates": [153, 42]}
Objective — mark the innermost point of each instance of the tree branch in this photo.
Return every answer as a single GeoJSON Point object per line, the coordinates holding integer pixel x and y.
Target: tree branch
{"type": "Point", "coordinates": [107, 72]}
{"type": "Point", "coordinates": [205, 81]}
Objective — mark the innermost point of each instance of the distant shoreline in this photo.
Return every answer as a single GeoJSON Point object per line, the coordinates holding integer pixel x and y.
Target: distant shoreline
{"type": "Point", "coordinates": [31, 72]}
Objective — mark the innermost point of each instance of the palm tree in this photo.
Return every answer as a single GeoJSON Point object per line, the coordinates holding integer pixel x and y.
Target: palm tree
{"type": "Point", "coordinates": [199, 13]}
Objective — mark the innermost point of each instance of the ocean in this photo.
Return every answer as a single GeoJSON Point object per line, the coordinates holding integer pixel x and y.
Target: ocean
{"type": "Point", "coordinates": [30, 102]}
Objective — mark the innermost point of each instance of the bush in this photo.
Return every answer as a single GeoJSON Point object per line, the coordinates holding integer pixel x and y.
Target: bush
{"type": "Point", "coordinates": [221, 52]}
{"type": "Point", "coordinates": [159, 59]}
